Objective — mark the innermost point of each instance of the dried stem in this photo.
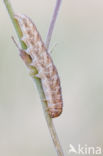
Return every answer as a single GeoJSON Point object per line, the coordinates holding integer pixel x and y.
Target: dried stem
{"type": "Point", "coordinates": [52, 23]}
{"type": "Point", "coordinates": [37, 80]}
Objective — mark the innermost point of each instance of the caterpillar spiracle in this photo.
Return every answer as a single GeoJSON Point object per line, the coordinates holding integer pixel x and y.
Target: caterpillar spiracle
{"type": "Point", "coordinates": [42, 61]}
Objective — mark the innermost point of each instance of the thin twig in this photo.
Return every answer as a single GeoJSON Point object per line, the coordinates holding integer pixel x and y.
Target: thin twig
{"type": "Point", "coordinates": [38, 84]}
{"type": "Point", "coordinates": [52, 23]}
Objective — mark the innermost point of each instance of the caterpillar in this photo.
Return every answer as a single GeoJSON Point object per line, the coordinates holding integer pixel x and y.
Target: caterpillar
{"type": "Point", "coordinates": [43, 62]}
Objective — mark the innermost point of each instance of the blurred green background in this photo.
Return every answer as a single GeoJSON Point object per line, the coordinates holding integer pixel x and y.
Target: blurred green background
{"type": "Point", "coordinates": [79, 60]}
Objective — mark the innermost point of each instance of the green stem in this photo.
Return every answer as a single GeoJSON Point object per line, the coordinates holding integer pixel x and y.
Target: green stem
{"type": "Point", "coordinates": [15, 23]}
{"type": "Point", "coordinates": [49, 120]}
{"type": "Point", "coordinates": [38, 84]}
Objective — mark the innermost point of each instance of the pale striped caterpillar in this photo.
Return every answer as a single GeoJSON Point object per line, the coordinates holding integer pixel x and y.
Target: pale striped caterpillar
{"type": "Point", "coordinates": [41, 59]}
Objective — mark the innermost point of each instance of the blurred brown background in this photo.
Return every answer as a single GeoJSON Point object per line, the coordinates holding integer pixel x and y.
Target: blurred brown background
{"type": "Point", "coordinates": [79, 59]}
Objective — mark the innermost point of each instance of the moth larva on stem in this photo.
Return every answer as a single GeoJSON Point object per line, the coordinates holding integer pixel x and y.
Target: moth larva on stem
{"type": "Point", "coordinates": [42, 61]}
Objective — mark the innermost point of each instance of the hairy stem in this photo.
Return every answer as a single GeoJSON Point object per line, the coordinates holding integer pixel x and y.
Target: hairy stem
{"type": "Point", "coordinates": [37, 81]}
{"type": "Point", "coordinates": [52, 23]}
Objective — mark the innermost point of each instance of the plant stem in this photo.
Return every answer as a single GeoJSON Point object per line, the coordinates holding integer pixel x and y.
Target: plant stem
{"type": "Point", "coordinates": [49, 120]}
{"type": "Point", "coordinates": [52, 23]}
{"type": "Point", "coordinates": [38, 84]}
{"type": "Point", "coordinates": [15, 23]}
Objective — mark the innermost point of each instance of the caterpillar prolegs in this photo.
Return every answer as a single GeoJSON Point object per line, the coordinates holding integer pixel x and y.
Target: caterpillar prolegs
{"type": "Point", "coordinates": [42, 61]}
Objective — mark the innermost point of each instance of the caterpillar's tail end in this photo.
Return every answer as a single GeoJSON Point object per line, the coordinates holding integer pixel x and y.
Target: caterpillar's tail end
{"type": "Point", "coordinates": [56, 113]}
